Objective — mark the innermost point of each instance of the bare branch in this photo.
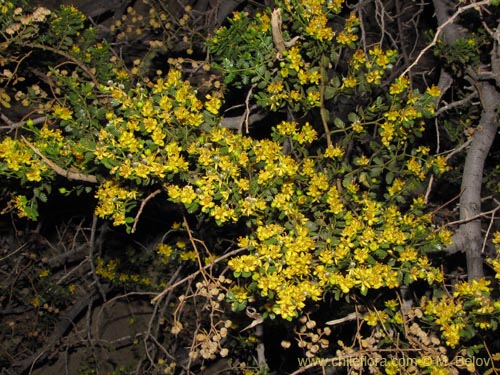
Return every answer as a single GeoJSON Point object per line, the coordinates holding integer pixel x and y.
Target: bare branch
{"type": "Point", "coordinates": [141, 208]}
{"type": "Point", "coordinates": [440, 31]}
{"type": "Point", "coordinates": [69, 57]}
{"type": "Point", "coordinates": [457, 103]}
{"type": "Point", "coordinates": [194, 274]}
{"type": "Point", "coordinates": [475, 217]}
{"type": "Point", "coordinates": [11, 125]}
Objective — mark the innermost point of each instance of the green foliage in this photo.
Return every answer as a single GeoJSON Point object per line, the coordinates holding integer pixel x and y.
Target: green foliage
{"type": "Point", "coordinates": [247, 49]}
{"type": "Point", "coordinates": [463, 53]}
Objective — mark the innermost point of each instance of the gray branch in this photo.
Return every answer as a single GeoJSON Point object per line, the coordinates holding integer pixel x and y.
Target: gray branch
{"type": "Point", "coordinates": [468, 238]}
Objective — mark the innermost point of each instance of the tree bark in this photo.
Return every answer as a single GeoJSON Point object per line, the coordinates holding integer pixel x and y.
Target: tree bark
{"type": "Point", "coordinates": [469, 238]}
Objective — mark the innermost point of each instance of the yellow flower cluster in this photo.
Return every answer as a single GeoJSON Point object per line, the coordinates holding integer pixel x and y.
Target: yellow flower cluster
{"type": "Point", "coordinates": [449, 316]}
{"type": "Point", "coordinates": [138, 142]}
{"type": "Point", "coordinates": [237, 172]}
{"type": "Point", "coordinates": [315, 14]}
{"type": "Point", "coordinates": [291, 263]}
{"type": "Point", "coordinates": [305, 90]}
{"type": "Point", "coordinates": [114, 201]}
{"type": "Point", "coordinates": [21, 161]}
{"type": "Point", "coordinates": [349, 35]}
{"type": "Point", "coordinates": [109, 271]}
{"type": "Point", "coordinates": [367, 69]}
{"type": "Point", "coordinates": [471, 305]}
{"type": "Point", "coordinates": [62, 113]}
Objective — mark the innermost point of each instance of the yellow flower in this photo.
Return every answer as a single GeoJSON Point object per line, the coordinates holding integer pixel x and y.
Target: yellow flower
{"type": "Point", "coordinates": [317, 28]}
{"type": "Point", "coordinates": [346, 38]}
{"type": "Point", "coordinates": [62, 112]}
{"type": "Point", "coordinates": [433, 91]}
{"type": "Point", "coordinates": [414, 166]}
{"type": "Point", "coordinates": [213, 104]}
{"type": "Point", "coordinates": [362, 160]}
{"type": "Point", "coordinates": [44, 273]}
{"type": "Point", "coordinates": [349, 82]}
{"type": "Point", "coordinates": [397, 185]}
{"type": "Point", "coordinates": [294, 58]}
{"type": "Point", "coordinates": [496, 238]}
{"type": "Point", "coordinates": [334, 152]}
{"type": "Point", "coordinates": [275, 87]}
{"type": "Point", "coordinates": [438, 370]}
{"type": "Point", "coordinates": [307, 134]}
{"type": "Point", "coordinates": [244, 263]}
{"type": "Point", "coordinates": [358, 59]}
{"type": "Point", "coordinates": [374, 76]}
{"type": "Point", "coordinates": [400, 85]}
{"type": "Point", "coordinates": [164, 250]}
{"type": "Point", "coordinates": [188, 255]}
{"type": "Point", "coordinates": [287, 128]}
{"type": "Point", "coordinates": [374, 317]}
{"type": "Point", "coordinates": [313, 98]}
{"type": "Point", "coordinates": [441, 164]}
{"type": "Point", "coordinates": [392, 368]}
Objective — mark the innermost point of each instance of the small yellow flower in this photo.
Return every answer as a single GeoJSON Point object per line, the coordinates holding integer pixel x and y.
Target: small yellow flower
{"type": "Point", "coordinates": [44, 273]}
{"type": "Point", "coordinates": [349, 82]}
{"type": "Point", "coordinates": [62, 112]}
{"type": "Point", "coordinates": [433, 91]}
{"type": "Point", "coordinates": [334, 152]}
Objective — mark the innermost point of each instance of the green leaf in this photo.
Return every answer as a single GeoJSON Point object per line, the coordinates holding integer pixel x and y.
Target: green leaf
{"type": "Point", "coordinates": [363, 178]}
{"type": "Point", "coordinates": [376, 171]}
{"type": "Point", "coordinates": [330, 92]}
{"type": "Point", "coordinates": [325, 114]}
{"type": "Point", "coordinates": [352, 117]}
{"type": "Point", "coordinates": [389, 177]}
{"type": "Point", "coordinates": [339, 123]}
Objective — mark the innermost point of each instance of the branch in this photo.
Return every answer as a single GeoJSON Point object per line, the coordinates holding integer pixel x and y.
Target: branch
{"type": "Point", "coordinates": [469, 237]}
{"type": "Point", "coordinates": [492, 219]}
{"type": "Point", "coordinates": [457, 103]}
{"type": "Point", "coordinates": [347, 318]}
{"type": "Point", "coordinates": [193, 275]}
{"type": "Point", "coordinates": [77, 176]}
{"type": "Point", "coordinates": [440, 31]}
{"type": "Point", "coordinates": [11, 125]}
{"type": "Point", "coordinates": [69, 57]}
{"type": "Point", "coordinates": [248, 118]}
{"type": "Point", "coordinates": [475, 217]}
{"type": "Point", "coordinates": [60, 329]}
{"type": "Point", "coordinates": [143, 203]}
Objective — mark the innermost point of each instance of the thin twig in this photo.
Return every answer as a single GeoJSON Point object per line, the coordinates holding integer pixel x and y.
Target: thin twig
{"type": "Point", "coordinates": [193, 275]}
{"type": "Point", "coordinates": [458, 149]}
{"type": "Point", "coordinates": [247, 108]}
{"type": "Point", "coordinates": [69, 57]}
{"type": "Point", "coordinates": [322, 109]}
{"type": "Point", "coordinates": [489, 228]}
{"type": "Point", "coordinates": [448, 157]}
{"type": "Point", "coordinates": [15, 251]}
{"type": "Point", "coordinates": [429, 189]}
{"type": "Point", "coordinates": [447, 203]}
{"type": "Point", "coordinates": [193, 243]}
{"type": "Point", "coordinates": [472, 218]}
{"type": "Point", "coordinates": [440, 30]}
{"type": "Point", "coordinates": [91, 257]}
{"type": "Point", "coordinates": [141, 208]}
{"type": "Point", "coordinates": [457, 103]}
{"type": "Point", "coordinates": [347, 318]}
{"type": "Point", "coordinates": [11, 125]}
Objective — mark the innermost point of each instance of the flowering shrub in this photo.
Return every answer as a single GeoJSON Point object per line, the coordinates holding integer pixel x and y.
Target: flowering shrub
{"type": "Point", "coordinates": [328, 210]}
